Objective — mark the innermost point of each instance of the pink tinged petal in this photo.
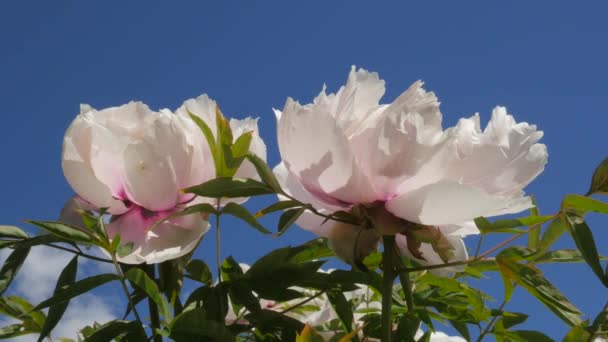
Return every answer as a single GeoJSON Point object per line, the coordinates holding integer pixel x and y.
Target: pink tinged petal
{"type": "Point", "coordinates": [150, 180]}
{"type": "Point", "coordinates": [315, 149]}
{"type": "Point", "coordinates": [447, 202]}
{"type": "Point", "coordinates": [70, 214]}
{"type": "Point", "coordinates": [308, 220]}
{"type": "Point", "coordinates": [432, 258]}
{"type": "Point", "coordinates": [169, 240]}
{"type": "Point", "coordinates": [78, 170]}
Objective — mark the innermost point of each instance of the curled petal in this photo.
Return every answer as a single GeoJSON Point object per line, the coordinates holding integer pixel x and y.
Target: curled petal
{"type": "Point", "coordinates": [169, 240]}
{"type": "Point", "coordinates": [432, 258]}
{"type": "Point", "coordinates": [325, 165]}
{"type": "Point", "coordinates": [307, 220]}
{"type": "Point", "coordinates": [78, 170]}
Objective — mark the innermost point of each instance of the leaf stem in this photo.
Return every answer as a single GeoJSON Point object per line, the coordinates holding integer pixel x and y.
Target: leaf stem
{"type": "Point", "coordinates": [154, 317]}
{"type": "Point", "coordinates": [84, 255]}
{"type": "Point", "coordinates": [295, 306]}
{"type": "Point", "coordinates": [388, 279]}
{"type": "Point", "coordinates": [121, 276]}
{"type": "Point", "coordinates": [218, 250]}
{"type": "Point", "coordinates": [406, 282]}
{"type": "Point", "coordinates": [492, 322]}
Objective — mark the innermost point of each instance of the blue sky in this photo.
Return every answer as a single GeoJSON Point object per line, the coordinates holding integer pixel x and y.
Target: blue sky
{"type": "Point", "coordinates": [546, 61]}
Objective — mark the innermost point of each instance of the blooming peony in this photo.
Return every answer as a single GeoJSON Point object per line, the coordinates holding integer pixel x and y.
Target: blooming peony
{"type": "Point", "coordinates": [133, 161]}
{"type": "Point", "coordinates": [414, 178]}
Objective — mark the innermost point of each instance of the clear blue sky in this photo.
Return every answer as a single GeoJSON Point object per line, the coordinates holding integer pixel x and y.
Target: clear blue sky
{"type": "Point", "coordinates": [546, 61]}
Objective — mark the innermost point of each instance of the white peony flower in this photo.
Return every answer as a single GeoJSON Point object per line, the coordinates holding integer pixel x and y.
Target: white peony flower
{"type": "Point", "coordinates": [133, 161]}
{"type": "Point", "coordinates": [346, 149]}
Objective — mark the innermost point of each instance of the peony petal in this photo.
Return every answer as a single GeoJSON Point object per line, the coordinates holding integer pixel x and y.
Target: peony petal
{"type": "Point", "coordinates": [446, 202]}
{"type": "Point", "coordinates": [307, 220]}
{"type": "Point", "coordinates": [432, 258]}
{"type": "Point", "coordinates": [325, 165]}
{"type": "Point", "coordinates": [77, 168]}
{"type": "Point", "coordinates": [169, 240]}
{"type": "Point", "coordinates": [150, 178]}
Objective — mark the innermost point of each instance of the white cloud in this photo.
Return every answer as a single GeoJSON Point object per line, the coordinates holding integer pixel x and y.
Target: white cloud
{"type": "Point", "coordinates": [36, 282]}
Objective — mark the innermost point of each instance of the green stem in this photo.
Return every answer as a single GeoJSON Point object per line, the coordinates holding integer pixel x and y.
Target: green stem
{"type": "Point", "coordinates": [154, 317]}
{"type": "Point", "coordinates": [491, 324]}
{"type": "Point", "coordinates": [121, 276]}
{"type": "Point", "coordinates": [218, 251]}
{"type": "Point", "coordinates": [388, 279]}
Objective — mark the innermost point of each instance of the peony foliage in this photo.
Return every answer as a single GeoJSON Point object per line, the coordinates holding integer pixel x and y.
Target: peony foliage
{"type": "Point", "coordinates": [385, 187]}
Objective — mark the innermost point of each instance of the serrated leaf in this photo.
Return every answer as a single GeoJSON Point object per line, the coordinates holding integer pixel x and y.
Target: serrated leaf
{"type": "Point", "coordinates": [586, 245]}
{"type": "Point", "coordinates": [599, 181]}
{"type": "Point", "coordinates": [242, 213]}
{"type": "Point", "coordinates": [282, 205]}
{"type": "Point", "coordinates": [140, 279]}
{"type": "Point", "coordinates": [230, 188]}
{"type": "Point", "coordinates": [66, 278]}
{"type": "Point", "coordinates": [131, 330]}
{"type": "Point", "coordinates": [288, 218]}
{"type": "Point", "coordinates": [76, 289]}
{"type": "Point", "coordinates": [65, 231]}
{"type": "Point", "coordinates": [11, 267]}
{"type": "Point", "coordinates": [12, 232]}
{"type": "Point", "coordinates": [536, 284]}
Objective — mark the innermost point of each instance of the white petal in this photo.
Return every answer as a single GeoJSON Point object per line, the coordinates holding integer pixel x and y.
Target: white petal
{"type": "Point", "coordinates": [77, 168]}
{"type": "Point", "coordinates": [432, 258]}
{"type": "Point", "coordinates": [150, 178]}
{"type": "Point", "coordinates": [169, 240]}
{"type": "Point", "coordinates": [315, 149]}
{"type": "Point", "coordinates": [396, 141]}
{"type": "Point", "coordinates": [446, 202]}
{"type": "Point", "coordinates": [203, 107]}
{"type": "Point", "coordinates": [308, 220]}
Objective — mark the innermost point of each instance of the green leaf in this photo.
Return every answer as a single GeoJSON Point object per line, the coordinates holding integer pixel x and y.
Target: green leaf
{"type": "Point", "coordinates": [526, 336]}
{"type": "Point", "coordinates": [230, 188]}
{"type": "Point", "coordinates": [288, 218]}
{"type": "Point", "coordinates": [199, 271]}
{"type": "Point", "coordinates": [38, 240]}
{"type": "Point", "coordinates": [553, 232]}
{"type": "Point", "coordinates": [506, 226]}
{"type": "Point", "coordinates": [343, 308]}
{"type": "Point", "coordinates": [66, 278]}
{"type": "Point", "coordinates": [130, 330]}
{"type": "Point", "coordinates": [586, 245]}
{"type": "Point", "coordinates": [599, 181]}
{"type": "Point", "coordinates": [215, 301]}
{"type": "Point", "coordinates": [140, 279]}
{"type": "Point", "coordinates": [193, 325]}
{"type": "Point", "coordinates": [271, 321]}
{"type": "Point", "coordinates": [583, 205]}
{"type": "Point", "coordinates": [239, 289]}
{"type": "Point", "coordinates": [13, 330]}
{"type": "Point", "coordinates": [282, 205]}
{"type": "Point", "coordinates": [265, 173]}
{"type": "Point", "coordinates": [21, 309]}
{"type": "Point", "coordinates": [532, 279]}
{"type": "Point", "coordinates": [11, 267]}
{"type": "Point", "coordinates": [12, 232]}
{"type": "Point", "coordinates": [534, 233]}
{"type": "Point", "coordinates": [125, 249]}
{"type": "Point", "coordinates": [240, 148]}
{"type": "Point", "coordinates": [314, 249]}
{"type": "Point", "coordinates": [65, 231]}
{"type": "Point", "coordinates": [577, 334]}
{"type": "Point", "coordinates": [76, 289]}
{"type": "Point", "coordinates": [205, 208]}
{"type": "Point", "coordinates": [208, 133]}
{"type": "Point", "coordinates": [242, 213]}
